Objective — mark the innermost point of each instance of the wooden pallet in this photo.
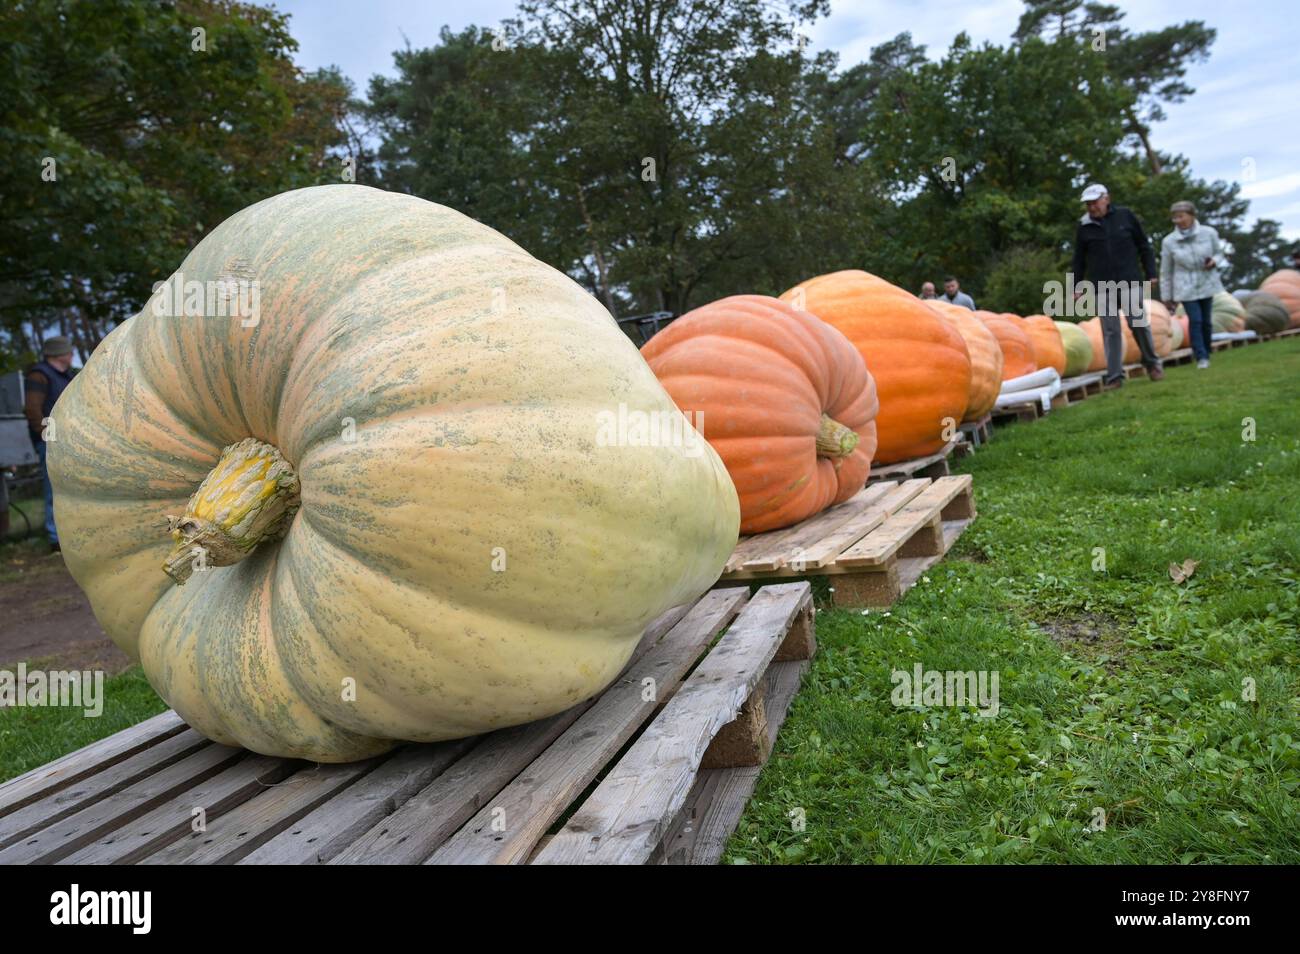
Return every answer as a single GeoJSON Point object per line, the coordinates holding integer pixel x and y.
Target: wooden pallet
{"type": "Point", "coordinates": [931, 465]}
{"type": "Point", "coordinates": [873, 546]}
{"type": "Point", "coordinates": [676, 747]}
{"type": "Point", "coordinates": [978, 433]}
{"type": "Point", "coordinates": [1181, 356]}
{"type": "Point", "coordinates": [1082, 386]}
{"type": "Point", "coordinates": [1288, 333]}
{"type": "Point", "coordinates": [1024, 411]}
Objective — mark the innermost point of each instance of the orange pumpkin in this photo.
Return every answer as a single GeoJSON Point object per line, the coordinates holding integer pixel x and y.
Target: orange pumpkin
{"type": "Point", "coordinates": [1017, 349]}
{"type": "Point", "coordinates": [786, 401]}
{"type": "Point", "coordinates": [1162, 328]}
{"type": "Point", "coordinates": [919, 361]}
{"type": "Point", "coordinates": [1285, 284]}
{"type": "Point", "coordinates": [985, 357]}
{"type": "Point", "coordinates": [1045, 339]}
{"type": "Point", "coordinates": [1132, 355]}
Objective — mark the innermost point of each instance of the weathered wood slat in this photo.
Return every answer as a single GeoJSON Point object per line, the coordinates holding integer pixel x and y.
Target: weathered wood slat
{"type": "Point", "coordinates": [236, 833]}
{"type": "Point", "coordinates": [506, 829]}
{"type": "Point", "coordinates": [623, 820]}
{"type": "Point", "coordinates": [752, 547]}
{"type": "Point", "coordinates": [325, 831]}
{"type": "Point", "coordinates": [162, 825]}
{"type": "Point", "coordinates": [783, 544]}
{"type": "Point", "coordinates": [70, 834]}
{"type": "Point", "coordinates": [72, 798]}
{"type": "Point", "coordinates": [86, 761]}
{"type": "Point", "coordinates": [700, 833]}
{"type": "Point", "coordinates": [828, 550]}
{"type": "Point", "coordinates": [894, 533]}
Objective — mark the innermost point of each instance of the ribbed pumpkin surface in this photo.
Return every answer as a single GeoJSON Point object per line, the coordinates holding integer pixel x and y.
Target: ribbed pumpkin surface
{"type": "Point", "coordinates": [1049, 352]}
{"type": "Point", "coordinates": [764, 376]}
{"type": "Point", "coordinates": [1266, 313]}
{"type": "Point", "coordinates": [1162, 328]}
{"type": "Point", "coordinates": [1013, 339]}
{"type": "Point", "coordinates": [1285, 284]}
{"type": "Point", "coordinates": [470, 551]}
{"type": "Point", "coordinates": [1078, 349]}
{"type": "Point", "coordinates": [985, 357]}
{"type": "Point", "coordinates": [919, 361]}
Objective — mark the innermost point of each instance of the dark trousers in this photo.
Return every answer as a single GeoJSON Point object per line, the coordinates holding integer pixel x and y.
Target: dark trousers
{"type": "Point", "coordinates": [1200, 326]}
{"type": "Point", "coordinates": [1112, 335]}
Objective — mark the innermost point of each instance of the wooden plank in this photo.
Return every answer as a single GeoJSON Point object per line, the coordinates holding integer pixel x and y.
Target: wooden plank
{"type": "Point", "coordinates": [753, 547]}
{"type": "Point", "coordinates": [506, 830]}
{"type": "Point", "coordinates": [876, 586]}
{"type": "Point", "coordinates": [819, 558]}
{"type": "Point", "coordinates": [142, 836]}
{"type": "Point", "coordinates": [700, 833]}
{"type": "Point", "coordinates": [104, 815]}
{"type": "Point", "coordinates": [742, 741]}
{"type": "Point", "coordinates": [72, 798]}
{"type": "Point", "coordinates": [626, 816]}
{"type": "Point", "coordinates": [328, 829]}
{"type": "Point", "coordinates": [75, 766]}
{"type": "Point", "coordinates": [241, 830]}
{"type": "Point", "coordinates": [828, 550]}
{"type": "Point", "coordinates": [894, 533]}
{"type": "Point", "coordinates": [913, 467]}
{"type": "Point", "coordinates": [859, 510]}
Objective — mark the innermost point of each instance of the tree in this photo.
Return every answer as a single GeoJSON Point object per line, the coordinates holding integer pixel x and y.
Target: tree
{"type": "Point", "coordinates": [133, 127]}
{"type": "Point", "coordinates": [1151, 66]}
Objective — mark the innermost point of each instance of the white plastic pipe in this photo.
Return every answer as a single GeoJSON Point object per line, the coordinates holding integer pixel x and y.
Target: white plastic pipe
{"type": "Point", "coordinates": [1037, 379]}
{"type": "Point", "coordinates": [1043, 395]}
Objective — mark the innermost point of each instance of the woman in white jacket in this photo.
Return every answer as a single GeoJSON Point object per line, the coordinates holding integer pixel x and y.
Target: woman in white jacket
{"type": "Point", "coordinates": [1190, 256]}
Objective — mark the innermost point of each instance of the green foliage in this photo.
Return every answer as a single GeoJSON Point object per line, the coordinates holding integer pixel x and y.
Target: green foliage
{"type": "Point", "coordinates": [1120, 690]}
{"type": "Point", "coordinates": [1016, 280]}
{"type": "Point", "coordinates": [153, 143]}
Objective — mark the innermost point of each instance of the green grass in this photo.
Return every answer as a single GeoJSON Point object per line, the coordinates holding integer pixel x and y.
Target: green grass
{"type": "Point", "coordinates": [1119, 689]}
{"type": "Point", "coordinates": [30, 737]}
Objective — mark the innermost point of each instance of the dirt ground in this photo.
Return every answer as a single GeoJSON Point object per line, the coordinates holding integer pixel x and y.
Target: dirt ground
{"type": "Point", "coordinates": [45, 616]}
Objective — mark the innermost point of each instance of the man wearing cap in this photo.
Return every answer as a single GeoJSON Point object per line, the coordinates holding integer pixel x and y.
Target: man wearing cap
{"type": "Point", "coordinates": [45, 381]}
{"type": "Point", "coordinates": [1109, 247]}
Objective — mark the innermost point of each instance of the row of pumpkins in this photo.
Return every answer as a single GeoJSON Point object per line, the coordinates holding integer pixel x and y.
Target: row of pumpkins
{"type": "Point", "coordinates": [393, 481]}
{"type": "Point", "coordinates": [798, 408]}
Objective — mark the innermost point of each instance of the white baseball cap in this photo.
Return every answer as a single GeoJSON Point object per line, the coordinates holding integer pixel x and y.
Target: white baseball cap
{"type": "Point", "coordinates": [1094, 191]}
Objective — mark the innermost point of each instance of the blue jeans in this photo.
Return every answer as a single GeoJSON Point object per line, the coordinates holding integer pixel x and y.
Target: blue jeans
{"type": "Point", "coordinates": [50, 531]}
{"type": "Point", "coordinates": [1200, 326]}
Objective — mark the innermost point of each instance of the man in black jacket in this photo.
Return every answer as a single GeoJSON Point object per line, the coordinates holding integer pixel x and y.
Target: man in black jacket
{"type": "Point", "coordinates": [1109, 246]}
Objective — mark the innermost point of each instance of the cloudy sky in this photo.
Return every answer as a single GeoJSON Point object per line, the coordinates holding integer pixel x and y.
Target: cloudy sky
{"type": "Point", "coordinates": [1242, 125]}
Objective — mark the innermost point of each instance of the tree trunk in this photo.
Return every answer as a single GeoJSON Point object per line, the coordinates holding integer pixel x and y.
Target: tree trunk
{"type": "Point", "coordinates": [601, 271]}
{"type": "Point", "coordinates": [1156, 166]}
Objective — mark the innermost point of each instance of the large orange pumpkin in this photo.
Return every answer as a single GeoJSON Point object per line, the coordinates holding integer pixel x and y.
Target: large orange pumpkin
{"type": "Point", "coordinates": [1285, 284]}
{"type": "Point", "coordinates": [1162, 328]}
{"type": "Point", "coordinates": [919, 361]}
{"type": "Point", "coordinates": [784, 398]}
{"type": "Point", "coordinates": [1045, 338]}
{"type": "Point", "coordinates": [1013, 339]}
{"type": "Point", "coordinates": [985, 357]}
{"type": "Point", "coordinates": [1132, 355]}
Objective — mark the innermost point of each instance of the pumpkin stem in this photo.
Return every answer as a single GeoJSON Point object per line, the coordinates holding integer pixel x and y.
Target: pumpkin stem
{"type": "Point", "coordinates": [835, 440]}
{"type": "Point", "coordinates": [250, 496]}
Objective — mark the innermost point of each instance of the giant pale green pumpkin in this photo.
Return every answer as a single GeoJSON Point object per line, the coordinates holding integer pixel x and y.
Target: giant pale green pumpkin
{"type": "Point", "coordinates": [442, 492]}
{"type": "Point", "coordinates": [1266, 313]}
{"type": "Point", "coordinates": [1227, 313]}
{"type": "Point", "coordinates": [1078, 348]}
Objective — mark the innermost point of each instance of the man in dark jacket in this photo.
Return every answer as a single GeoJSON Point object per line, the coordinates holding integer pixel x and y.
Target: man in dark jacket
{"type": "Point", "coordinates": [1109, 248]}
{"type": "Point", "coordinates": [44, 382]}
